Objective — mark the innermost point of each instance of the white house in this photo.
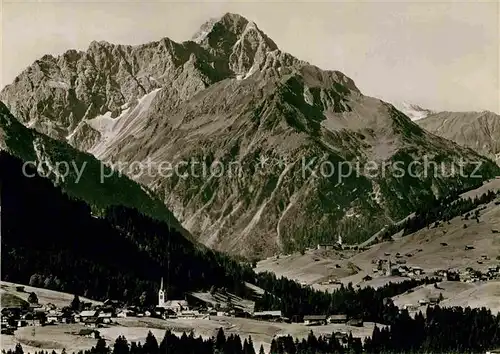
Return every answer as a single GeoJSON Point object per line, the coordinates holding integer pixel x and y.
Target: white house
{"type": "Point", "coordinates": [105, 317]}
{"type": "Point", "coordinates": [126, 313]}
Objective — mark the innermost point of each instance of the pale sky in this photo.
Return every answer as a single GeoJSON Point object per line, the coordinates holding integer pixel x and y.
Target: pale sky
{"type": "Point", "coordinates": [441, 55]}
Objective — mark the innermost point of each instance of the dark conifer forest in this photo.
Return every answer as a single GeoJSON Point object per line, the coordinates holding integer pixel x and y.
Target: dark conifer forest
{"type": "Point", "coordinates": [440, 210]}
{"type": "Point", "coordinates": [368, 303]}
{"type": "Point", "coordinates": [52, 240]}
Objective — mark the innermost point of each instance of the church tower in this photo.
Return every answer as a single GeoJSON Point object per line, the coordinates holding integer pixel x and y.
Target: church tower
{"type": "Point", "coordinates": [388, 271]}
{"type": "Point", "coordinates": [162, 295]}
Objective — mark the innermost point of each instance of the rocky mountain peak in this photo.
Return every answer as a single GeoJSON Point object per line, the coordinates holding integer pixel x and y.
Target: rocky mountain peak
{"type": "Point", "coordinates": [236, 41]}
{"type": "Point", "coordinates": [229, 26]}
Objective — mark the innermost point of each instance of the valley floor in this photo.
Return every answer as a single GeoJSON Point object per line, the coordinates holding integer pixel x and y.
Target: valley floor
{"type": "Point", "coordinates": [432, 249]}
{"type": "Point", "coordinates": [61, 336]}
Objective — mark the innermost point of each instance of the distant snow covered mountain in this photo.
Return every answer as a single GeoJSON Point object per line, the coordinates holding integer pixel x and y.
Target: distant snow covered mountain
{"type": "Point", "coordinates": [479, 131]}
{"type": "Point", "coordinates": [413, 111]}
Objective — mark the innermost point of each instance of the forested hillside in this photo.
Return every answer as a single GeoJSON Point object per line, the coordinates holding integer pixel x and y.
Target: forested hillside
{"type": "Point", "coordinates": [51, 239]}
{"type": "Point", "coordinates": [439, 210]}
{"type": "Point", "coordinates": [86, 177]}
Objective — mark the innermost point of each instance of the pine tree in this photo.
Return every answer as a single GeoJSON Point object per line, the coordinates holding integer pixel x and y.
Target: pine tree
{"type": "Point", "coordinates": [121, 346]}
{"type": "Point", "coordinates": [101, 347]}
{"type": "Point", "coordinates": [151, 344]}
{"type": "Point", "coordinates": [133, 348]}
{"type": "Point", "coordinates": [32, 298]}
{"type": "Point", "coordinates": [220, 340]}
{"type": "Point", "coordinates": [251, 349]}
{"type": "Point", "coordinates": [274, 347]}
{"type": "Point", "coordinates": [19, 349]}
{"type": "Point", "coordinates": [75, 303]}
{"type": "Point", "coordinates": [245, 346]}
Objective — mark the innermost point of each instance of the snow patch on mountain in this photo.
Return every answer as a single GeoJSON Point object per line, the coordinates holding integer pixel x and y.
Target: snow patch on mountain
{"type": "Point", "coordinates": [413, 111]}
{"type": "Point", "coordinates": [31, 123]}
{"type": "Point", "coordinates": [250, 72]}
{"type": "Point", "coordinates": [250, 26]}
{"type": "Point", "coordinates": [128, 123]}
{"type": "Point", "coordinates": [308, 97]}
{"type": "Point", "coordinates": [72, 134]}
{"type": "Point", "coordinates": [58, 84]}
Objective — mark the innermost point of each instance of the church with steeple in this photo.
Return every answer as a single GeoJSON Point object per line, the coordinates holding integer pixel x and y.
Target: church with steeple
{"type": "Point", "coordinates": [174, 305]}
{"type": "Point", "coordinates": [162, 296]}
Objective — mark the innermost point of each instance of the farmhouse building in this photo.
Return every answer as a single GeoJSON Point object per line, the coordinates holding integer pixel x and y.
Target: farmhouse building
{"type": "Point", "coordinates": [267, 315]}
{"type": "Point", "coordinates": [54, 317]}
{"type": "Point", "coordinates": [356, 322]}
{"type": "Point", "coordinates": [105, 317]}
{"type": "Point", "coordinates": [176, 306]}
{"type": "Point", "coordinates": [89, 333]}
{"type": "Point", "coordinates": [337, 319]}
{"type": "Point", "coordinates": [314, 320]}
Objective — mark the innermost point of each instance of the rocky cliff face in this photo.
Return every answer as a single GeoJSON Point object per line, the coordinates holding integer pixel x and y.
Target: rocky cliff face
{"type": "Point", "coordinates": [285, 133]}
{"type": "Point", "coordinates": [479, 131]}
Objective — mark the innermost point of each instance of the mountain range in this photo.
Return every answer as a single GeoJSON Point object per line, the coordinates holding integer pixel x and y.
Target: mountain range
{"type": "Point", "coordinates": [479, 131]}
{"type": "Point", "coordinates": [230, 95]}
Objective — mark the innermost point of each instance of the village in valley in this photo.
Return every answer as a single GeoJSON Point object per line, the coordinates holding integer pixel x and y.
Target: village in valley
{"type": "Point", "coordinates": [41, 324]}
{"type": "Point", "coordinates": [32, 319]}
{"type": "Point", "coordinates": [444, 264]}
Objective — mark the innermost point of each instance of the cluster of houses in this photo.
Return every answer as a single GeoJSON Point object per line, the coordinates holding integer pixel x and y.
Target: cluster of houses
{"type": "Point", "coordinates": [15, 317]}
{"type": "Point", "coordinates": [470, 275]}
{"type": "Point", "coordinates": [431, 301]}
{"type": "Point", "coordinates": [90, 316]}
{"type": "Point", "coordinates": [95, 316]}
{"type": "Point", "coordinates": [308, 320]}
{"type": "Point", "coordinates": [37, 315]}
{"type": "Point", "coordinates": [318, 320]}
{"type": "Point", "coordinates": [397, 268]}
